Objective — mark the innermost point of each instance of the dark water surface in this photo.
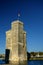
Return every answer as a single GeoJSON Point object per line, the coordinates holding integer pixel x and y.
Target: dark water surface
{"type": "Point", "coordinates": [36, 62]}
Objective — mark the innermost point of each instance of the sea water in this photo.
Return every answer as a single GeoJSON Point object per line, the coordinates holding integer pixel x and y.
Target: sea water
{"type": "Point", "coordinates": [35, 62]}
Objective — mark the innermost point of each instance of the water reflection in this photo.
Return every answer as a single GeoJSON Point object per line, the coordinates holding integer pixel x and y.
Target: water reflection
{"type": "Point", "coordinates": [35, 62]}
{"type": "Point", "coordinates": [20, 63]}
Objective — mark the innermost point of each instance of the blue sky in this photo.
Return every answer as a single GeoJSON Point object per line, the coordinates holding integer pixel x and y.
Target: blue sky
{"type": "Point", "coordinates": [31, 15]}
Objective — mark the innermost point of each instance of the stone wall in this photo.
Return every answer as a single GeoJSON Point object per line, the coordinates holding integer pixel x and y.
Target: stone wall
{"type": "Point", "coordinates": [16, 42]}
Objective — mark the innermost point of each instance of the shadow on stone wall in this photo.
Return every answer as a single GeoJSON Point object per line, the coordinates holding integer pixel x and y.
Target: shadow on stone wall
{"type": "Point", "coordinates": [28, 55]}
{"type": "Point", "coordinates": [7, 52]}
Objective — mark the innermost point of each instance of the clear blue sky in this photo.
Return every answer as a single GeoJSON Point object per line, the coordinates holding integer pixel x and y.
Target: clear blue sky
{"type": "Point", "coordinates": [32, 16]}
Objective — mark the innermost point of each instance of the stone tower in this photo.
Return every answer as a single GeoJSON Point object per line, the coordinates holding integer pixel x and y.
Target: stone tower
{"type": "Point", "coordinates": [16, 42]}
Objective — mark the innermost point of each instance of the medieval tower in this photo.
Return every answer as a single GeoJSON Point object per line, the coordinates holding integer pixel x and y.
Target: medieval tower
{"type": "Point", "coordinates": [16, 42]}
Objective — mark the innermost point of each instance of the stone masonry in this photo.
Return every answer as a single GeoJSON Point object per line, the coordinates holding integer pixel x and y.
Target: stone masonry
{"type": "Point", "coordinates": [16, 42]}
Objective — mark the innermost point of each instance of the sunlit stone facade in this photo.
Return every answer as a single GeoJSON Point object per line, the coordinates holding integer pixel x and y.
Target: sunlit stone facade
{"type": "Point", "coordinates": [16, 42]}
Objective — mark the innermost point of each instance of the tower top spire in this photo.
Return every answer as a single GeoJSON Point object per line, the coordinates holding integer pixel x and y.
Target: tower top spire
{"type": "Point", "coordinates": [18, 16]}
